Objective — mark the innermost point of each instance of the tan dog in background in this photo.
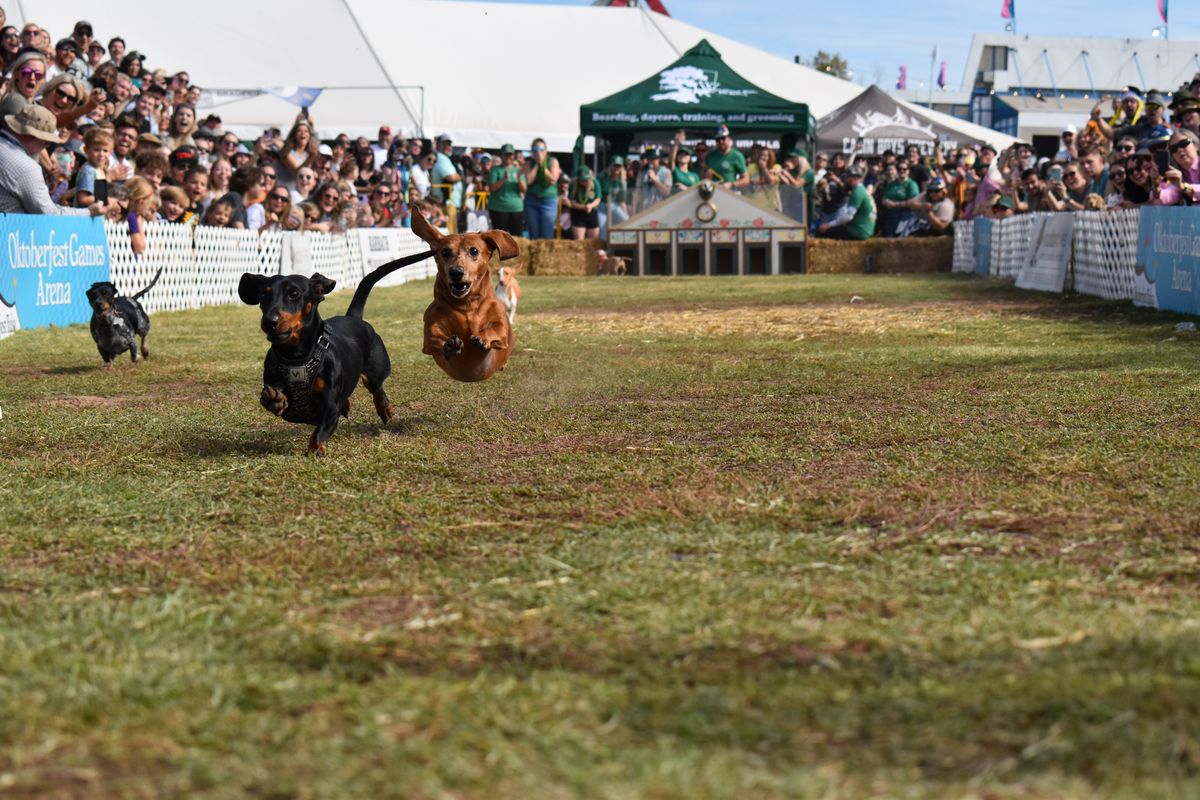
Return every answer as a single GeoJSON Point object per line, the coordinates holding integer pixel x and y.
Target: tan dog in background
{"type": "Point", "coordinates": [466, 329]}
{"type": "Point", "coordinates": [508, 291]}
{"type": "Point", "coordinates": [610, 265]}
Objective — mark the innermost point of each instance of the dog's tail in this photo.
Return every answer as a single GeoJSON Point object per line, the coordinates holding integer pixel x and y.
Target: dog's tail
{"type": "Point", "coordinates": [374, 276]}
{"type": "Point", "coordinates": [149, 286]}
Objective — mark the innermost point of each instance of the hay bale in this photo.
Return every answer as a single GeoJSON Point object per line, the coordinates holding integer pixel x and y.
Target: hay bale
{"type": "Point", "coordinates": [835, 256]}
{"type": "Point", "coordinates": [922, 254]}
{"type": "Point", "coordinates": [563, 257]}
{"type": "Point", "coordinates": [520, 264]}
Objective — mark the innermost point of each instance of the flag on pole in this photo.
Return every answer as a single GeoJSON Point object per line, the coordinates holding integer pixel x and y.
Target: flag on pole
{"type": "Point", "coordinates": [1162, 10]}
{"type": "Point", "coordinates": [942, 77]}
{"type": "Point", "coordinates": [1009, 9]}
{"type": "Point", "coordinates": [902, 81]}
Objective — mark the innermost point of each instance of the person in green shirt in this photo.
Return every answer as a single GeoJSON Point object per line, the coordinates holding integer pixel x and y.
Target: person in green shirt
{"type": "Point", "coordinates": [682, 175]}
{"type": "Point", "coordinates": [506, 193]}
{"type": "Point", "coordinates": [541, 198]}
{"type": "Point", "coordinates": [615, 190]}
{"type": "Point", "coordinates": [899, 190]}
{"type": "Point", "coordinates": [582, 201]}
{"type": "Point", "coordinates": [856, 219]}
{"type": "Point", "coordinates": [726, 165]}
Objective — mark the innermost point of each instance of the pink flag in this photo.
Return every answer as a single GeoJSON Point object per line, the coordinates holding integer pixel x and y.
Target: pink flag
{"type": "Point", "coordinates": [1009, 9]}
{"type": "Point", "coordinates": [902, 81]}
{"type": "Point", "coordinates": [1162, 10]}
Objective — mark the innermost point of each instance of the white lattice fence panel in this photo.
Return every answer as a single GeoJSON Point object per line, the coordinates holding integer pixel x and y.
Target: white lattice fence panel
{"type": "Point", "coordinates": [964, 246]}
{"type": "Point", "coordinates": [270, 251]}
{"type": "Point", "coordinates": [222, 256]}
{"type": "Point", "coordinates": [1010, 244]}
{"type": "Point", "coordinates": [1105, 253]}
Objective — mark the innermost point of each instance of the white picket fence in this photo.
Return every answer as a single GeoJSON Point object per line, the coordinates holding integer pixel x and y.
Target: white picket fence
{"type": "Point", "coordinates": [1104, 250]}
{"type": "Point", "coordinates": [202, 265]}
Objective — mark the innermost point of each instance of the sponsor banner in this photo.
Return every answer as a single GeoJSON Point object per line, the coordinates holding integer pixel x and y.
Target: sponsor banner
{"type": "Point", "coordinates": [48, 265]}
{"type": "Point", "coordinates": [1168, 258]}
{"type": "Point", "coordinates": [1049, 254]}
{"type": "Point", "coordinates": [983, 246]}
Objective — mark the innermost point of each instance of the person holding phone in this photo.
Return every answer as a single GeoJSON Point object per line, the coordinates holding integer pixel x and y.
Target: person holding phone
{"type": "Point", "coordinates": [1184, 170]}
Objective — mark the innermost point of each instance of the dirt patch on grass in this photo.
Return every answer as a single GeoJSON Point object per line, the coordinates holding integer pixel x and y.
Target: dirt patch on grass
{"type": "Point", "coordinates": [387, 610]}
{"type": "Point", "coordinates": [789, 321]}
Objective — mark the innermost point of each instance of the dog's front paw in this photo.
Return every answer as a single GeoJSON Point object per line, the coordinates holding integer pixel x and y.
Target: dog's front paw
{"type": "Point", "coordinates": [273, 400]}
{"type": "Point", "coordinates": [107, 365]}
{"type": "Point", "coordinates": [452, 347]}
{"type": "Point", "coordinates": [479, 343]}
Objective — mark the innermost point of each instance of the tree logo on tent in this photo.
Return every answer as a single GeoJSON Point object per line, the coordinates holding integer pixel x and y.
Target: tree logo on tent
{"type": "Point", "coordinates": [690, 84]}
{"type": "Point", "coordinates": [874, 120]}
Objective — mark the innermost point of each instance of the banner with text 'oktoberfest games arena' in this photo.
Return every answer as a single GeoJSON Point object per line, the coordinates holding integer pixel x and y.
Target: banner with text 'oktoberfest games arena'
{"type": "Point", "coordinates": [47, 266]}
{"type": "Point", "coordinates": [1167, 271]}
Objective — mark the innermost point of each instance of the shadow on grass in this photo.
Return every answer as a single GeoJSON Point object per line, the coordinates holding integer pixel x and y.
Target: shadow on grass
{"type": "Point", "coordinates": [219, 444]}
{"type": "Point", "coordinates": [78, 369]}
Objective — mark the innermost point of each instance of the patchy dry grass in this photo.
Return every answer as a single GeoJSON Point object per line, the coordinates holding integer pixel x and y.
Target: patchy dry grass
{"type": "Point", "coordinates": [825, 536]}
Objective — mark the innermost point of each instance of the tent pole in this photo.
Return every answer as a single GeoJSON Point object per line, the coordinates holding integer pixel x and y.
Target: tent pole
{"type": "Point", "coordinates": [419, 120]}
{"type": "Point", "coordinates": [650, 17]}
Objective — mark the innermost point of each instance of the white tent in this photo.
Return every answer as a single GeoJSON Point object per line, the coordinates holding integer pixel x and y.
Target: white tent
{"type": "Point", "coordinates": [485, 73]}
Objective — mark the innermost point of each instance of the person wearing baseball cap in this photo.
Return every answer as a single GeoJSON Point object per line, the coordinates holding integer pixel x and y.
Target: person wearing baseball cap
{"type": "Point", "coordinates": [22, 189]}
{"type": "Point", "coordinates": [383, 141]}
{"type": "Point", "coordinates": [724, 164]}
{"type": "Point", "coordinates": [935, 212]}
{"type": "Point", "coordinates": [1067, 152]}
{"type": "Point", "coordinates": [856, 219]}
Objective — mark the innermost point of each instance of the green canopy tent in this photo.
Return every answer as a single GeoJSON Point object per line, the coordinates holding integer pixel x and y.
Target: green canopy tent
{"type": "Point", "coordinates": [695, 93]}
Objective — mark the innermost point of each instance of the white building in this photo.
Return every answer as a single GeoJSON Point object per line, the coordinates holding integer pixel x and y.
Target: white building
{"type": "Point", "coordinates": [1033, 86]}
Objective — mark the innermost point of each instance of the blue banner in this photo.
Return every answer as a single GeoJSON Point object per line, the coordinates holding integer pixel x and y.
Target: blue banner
{"type": "Point", "coordinates": [48, 264]}
{"type": "Point", "coordinates": [1168, 256]}
{"type": "Point", "coordinates": [983, 245]}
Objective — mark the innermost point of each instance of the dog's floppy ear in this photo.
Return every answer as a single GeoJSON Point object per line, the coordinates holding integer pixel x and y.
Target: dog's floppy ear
{"type": "Point", "coordinates": [500, 242]}
{"type": "Point", "coordinates": [320, 286]}
{"type": "Point", "coordinates": [422, 228]}
{"type": "Point", "coordinates": [250, 288]}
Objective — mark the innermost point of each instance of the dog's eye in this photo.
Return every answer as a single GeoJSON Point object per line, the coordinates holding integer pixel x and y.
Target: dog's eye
{"type": "Point", "coordinates": [447, 253]}
{"type": "Point", "coordinates": [474, 251]}
{"type": "Point", "coordinates": [293, 293]}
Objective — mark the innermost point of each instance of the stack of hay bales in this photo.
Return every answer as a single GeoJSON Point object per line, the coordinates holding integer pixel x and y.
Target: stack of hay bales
{"type": "Point", "coordinates": [923, 254]}
{"type": "Point", "coordinates": [563, 257]}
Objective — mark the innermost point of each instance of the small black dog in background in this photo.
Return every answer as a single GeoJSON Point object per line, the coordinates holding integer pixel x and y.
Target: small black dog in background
{"type": "Point", "coordinates": [117, 320]}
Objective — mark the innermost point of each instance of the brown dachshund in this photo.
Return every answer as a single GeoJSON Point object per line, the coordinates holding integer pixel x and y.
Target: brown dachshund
{"type": "Point", "coordinates": [466, 328]}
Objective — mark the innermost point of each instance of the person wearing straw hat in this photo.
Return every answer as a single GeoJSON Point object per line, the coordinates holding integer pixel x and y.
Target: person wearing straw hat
{"type": "Point", "coordinates": [22, 190]}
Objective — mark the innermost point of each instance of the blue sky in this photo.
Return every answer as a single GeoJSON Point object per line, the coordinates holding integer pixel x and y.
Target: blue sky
{"type": "Point", "coordinates": [876, 37]}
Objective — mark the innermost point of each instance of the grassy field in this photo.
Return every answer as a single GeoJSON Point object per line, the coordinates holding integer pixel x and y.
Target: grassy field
{"type": "Point", "coordinates": [819, 536]}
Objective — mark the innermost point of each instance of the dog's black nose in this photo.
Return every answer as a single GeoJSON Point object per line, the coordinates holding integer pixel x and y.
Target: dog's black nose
{"type": "Point", "coordinates": [456, 274]}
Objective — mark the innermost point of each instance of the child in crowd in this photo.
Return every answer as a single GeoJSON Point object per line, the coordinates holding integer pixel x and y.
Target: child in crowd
{"type": "Point", "coordinates": [219, 213]}
{"type": "Point", "coordinates": [174, 205]}
{"type": "Point", "coordinates": [195, 186]}
{"type": "Point", "coordinates": [152, 166]}
{"type": "Point", "coordinates": [97, 146]}
{"type": "Point", "coordinates": [143, 208]}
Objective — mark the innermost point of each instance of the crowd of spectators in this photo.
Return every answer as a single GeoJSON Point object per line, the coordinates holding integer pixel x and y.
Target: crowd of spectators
{"type": "Point", "coordinates": [1133, 150]}
{"type": "Point", "coordinates": [112, 136]}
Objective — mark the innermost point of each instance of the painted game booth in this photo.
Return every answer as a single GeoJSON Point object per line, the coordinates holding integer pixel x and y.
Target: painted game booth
{"type": "Point", "coordinates": [710, 230]}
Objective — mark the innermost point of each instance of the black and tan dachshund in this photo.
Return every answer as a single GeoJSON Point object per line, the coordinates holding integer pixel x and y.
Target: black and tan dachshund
{"type": "Point", "coordinates": [314, 364]}
{"type": "Point", "coordinates": [117, 321]}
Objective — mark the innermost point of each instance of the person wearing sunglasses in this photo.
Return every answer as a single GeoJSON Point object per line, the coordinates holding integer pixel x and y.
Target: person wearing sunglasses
{"type": "Point", "coordinates": [25, 81]}
{"type": "Point", "coordinates": [10, 45]}
{"type": "Point", "coordinates": [725, 164]}
{"type": "Point", "coordinates": [1071, 193]}
{"type": "Point", "coordinates": [1184, 172]}
{"type": "Point", "coordinates": [279, 206]}
{"type": "Point", "coordinates": [381, 207]}
{"type": "Point", "coordinates": [1142, 181]}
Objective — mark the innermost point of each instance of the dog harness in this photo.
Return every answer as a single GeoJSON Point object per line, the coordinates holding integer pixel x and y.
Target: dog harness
{"type": "Point", "coordinates": [296, 378]}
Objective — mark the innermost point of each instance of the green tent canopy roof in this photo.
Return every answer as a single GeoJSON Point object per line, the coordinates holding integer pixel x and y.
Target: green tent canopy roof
{"type": "Point", "coordinates": [698, 91]}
